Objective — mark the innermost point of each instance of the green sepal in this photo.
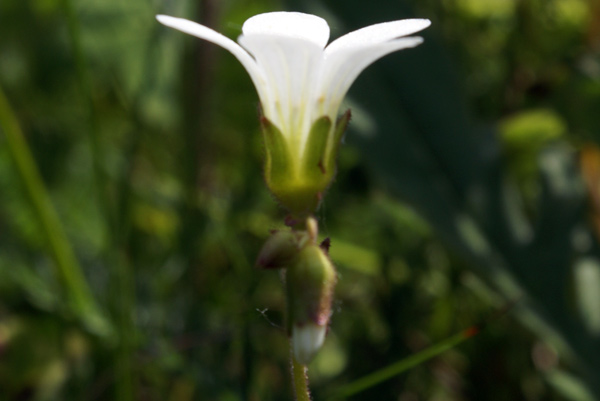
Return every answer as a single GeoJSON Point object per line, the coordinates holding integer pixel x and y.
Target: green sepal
{"type": "Point", "coordinates": [278, 163]}
{"type": "Point", "coordinates": [299, 181]}
{"type": "Point", "coordinates": [285, 175]}
{"type": "Point", "coordinates": [313, 160]}
{"type": "Point", "coordinates": [338, 134]}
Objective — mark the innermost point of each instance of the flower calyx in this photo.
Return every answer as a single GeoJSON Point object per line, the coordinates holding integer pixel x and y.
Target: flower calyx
{"type": "Point", "coordinates": [298, 174]}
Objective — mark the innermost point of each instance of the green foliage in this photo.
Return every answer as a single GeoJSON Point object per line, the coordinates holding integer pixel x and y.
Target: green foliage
{"type": "Point", "coordinates": [458, 193]}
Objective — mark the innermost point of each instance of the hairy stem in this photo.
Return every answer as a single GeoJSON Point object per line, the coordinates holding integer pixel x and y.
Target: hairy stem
{"type": "Point", "coordinates": [299, 380]}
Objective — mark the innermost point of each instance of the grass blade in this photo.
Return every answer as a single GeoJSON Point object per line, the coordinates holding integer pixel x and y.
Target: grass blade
{"type": "Point", "coordinates": [68, 270]}
{"type": "Point", "coordinates": [403, 365]}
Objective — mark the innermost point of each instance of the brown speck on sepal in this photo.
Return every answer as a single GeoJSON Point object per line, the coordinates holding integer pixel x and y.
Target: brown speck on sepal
{"type": "Point", "coordinates": [325, 245]}
{"type": "Point", "coordinates": [322, 167]}
{"type": "Point", "coordinates": [264, 121]}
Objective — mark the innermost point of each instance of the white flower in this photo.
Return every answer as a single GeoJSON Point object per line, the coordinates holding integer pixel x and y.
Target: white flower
{"type": "Point", "coordinates": [298, 78]}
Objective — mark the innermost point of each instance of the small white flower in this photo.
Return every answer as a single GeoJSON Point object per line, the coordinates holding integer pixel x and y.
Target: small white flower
{"type": "Point", "coordinates": [298, 78]}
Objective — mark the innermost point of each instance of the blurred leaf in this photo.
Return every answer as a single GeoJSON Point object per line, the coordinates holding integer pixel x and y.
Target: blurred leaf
{"type": "Point", "coordinates": [77, 292]}
{"type": "Point", "coordinates": [589, 160]}
{"type": "Point", "coordinates": [403, 365]}
{"type": "Point", "coordinates": [355, 257]}
{"type": "Point", "coordinates": [568, 385]}
{"type": "Point", "coordinates": [491, 8]}
{"type": "Point", "coordinates": [530, 130]}
{"type": "Point", "coordinates": [587, 290]}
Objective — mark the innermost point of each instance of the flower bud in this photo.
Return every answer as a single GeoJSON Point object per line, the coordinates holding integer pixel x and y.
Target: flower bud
{"type": "Point", "coordinates": [280, 250]}
{"type": "Point", "coordinates": [310, 284]}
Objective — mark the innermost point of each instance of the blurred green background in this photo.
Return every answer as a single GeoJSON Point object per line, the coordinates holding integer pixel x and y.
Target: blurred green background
{"type": "Point", "coordinates": [467, 192]}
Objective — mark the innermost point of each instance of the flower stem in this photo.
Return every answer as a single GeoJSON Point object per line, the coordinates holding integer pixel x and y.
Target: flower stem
{"type": "Point", "coordinates": [300, 371]}
{"type": "Point", "coordinates": [68, 270]}
{"type": "Point", "coordinates": [299, 379]}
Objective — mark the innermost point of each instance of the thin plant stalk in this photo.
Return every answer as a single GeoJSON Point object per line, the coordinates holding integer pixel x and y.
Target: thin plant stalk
{"type": "Point", "coordinates": [79, 296]}
{"type": "Point", "coordinates": [299, 371]}
{"type": "Point", "coordinates": [299, 379]}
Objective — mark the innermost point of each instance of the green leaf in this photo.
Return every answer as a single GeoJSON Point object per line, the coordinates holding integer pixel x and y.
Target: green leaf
{"type": "Point", "coordinates": [79, 296]}
{"type": "Point", "coordinates": [587, 290]}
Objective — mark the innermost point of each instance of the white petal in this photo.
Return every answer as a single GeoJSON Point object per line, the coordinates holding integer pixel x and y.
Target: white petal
{"type": "Point", "coordinates": [307, 340]}
{"type": "Point", "coordinates": [291, 24]}
{"type": "Point", "coordinates": [210, 35]}
{"type": "Point", "coordinates": [292, 67]}
{"type": "Point", "coordinates": [378, 33]}
{"type": "Point", "coordinates": [343, 67]}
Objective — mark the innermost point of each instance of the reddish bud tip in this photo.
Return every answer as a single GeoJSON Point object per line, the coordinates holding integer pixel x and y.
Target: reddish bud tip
{"type": "Point", "coordinates": [325, 245]}
{"type": "Point", "coordinates": [278, 251]}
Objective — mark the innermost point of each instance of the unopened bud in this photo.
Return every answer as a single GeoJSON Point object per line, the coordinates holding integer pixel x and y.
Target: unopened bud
{"type": "Point", "coordinates": [310, 283]}
{"type": "Point", "coordinates": [279, 250]}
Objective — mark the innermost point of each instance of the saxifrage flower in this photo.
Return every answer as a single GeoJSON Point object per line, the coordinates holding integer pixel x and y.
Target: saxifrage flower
{"type": "Point", "coordinates": [301, 83]}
